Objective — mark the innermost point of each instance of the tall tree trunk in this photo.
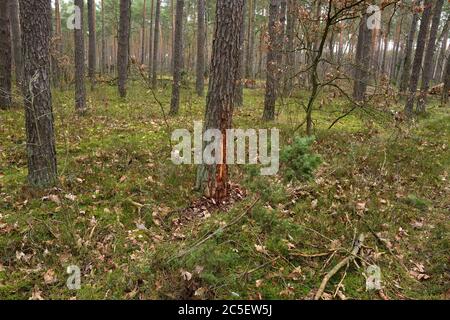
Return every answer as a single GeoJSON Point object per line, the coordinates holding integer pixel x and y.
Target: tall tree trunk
{"type": "Point", "coordinates": [173, 19]}
{"type": "Point", "coordinates": [156, 43]}
{"type": "Point", "coordinates": [177, 58]}
{"type": "Point", "coordinates": [281, 40]}
{"type": "Point", "coordinates": [201, 44]}
{"type": "Point", "coordinates": [41, 151]}
{"type": "Point", "coordinates": [261, 51]}
{"type": "Point", "coordinates": [80, 89]}
{"type": "Point", "coordinates": [386, 41]}
{"type": "Point", "coordinates": [440, 63]}
{"type": "Point", "coordinates": [362, 54]}
{"type": "Point", "coordinates": [239, 98]}
{"type": "Point", "coordinates": [213, 179]}
{"type": "Point", "coordinates": [272, 62]}
{"type": "Point", "coordinates": [418, 58]}
{"type": "Point", "coordinates": [150, 39]}
{"type": "Point", "coordinates": [429, 57]}
{"type": "Point", "coordinates": [290, 34]}
{"type": "Point", "coordinates": [124, 46]}
{"type": "Point", "coordinates": [375, 51]}
{"type": "Point", "coordinates": [249, 73]}
{"type": "Point", "coordinates": [59, 43]}
{"type": "Point", "coordinates": [395, 64]}
{"type": "Point", "coordinates": [16, 35]}
{"type": "Point", "coordinates": [103, 63]}
{"type": "Point", "coordinates": [446, 78]}
{"type": "Point", "coordinates": [144, 17]}
{"type": "Point", "coordinates": [5, 56]}
{"type": "Point", "coordinates": [408, 51]}
{"type": "Point", "coordinates": [92, 36]}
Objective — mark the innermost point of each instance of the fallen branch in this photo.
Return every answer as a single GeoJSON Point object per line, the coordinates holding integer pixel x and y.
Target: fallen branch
{"type": "Point", "coordinates": [315, 255]}
{"type": "Point", "coordinates": [332, 272]}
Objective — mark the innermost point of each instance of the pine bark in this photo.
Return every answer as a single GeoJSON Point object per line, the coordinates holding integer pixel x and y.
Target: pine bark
{"type": "Point", "coordinates": [41, 151]}
{"type": "Point", "coordinates": [123, 48]}
{"type": "Point", "coordinates": [386, 42]}
{"type": "Point", "coordinates": [395, 66]}
{"type": "Point", "coordinates": [239, 98]}
{"type": "Point", "coordinates": [103, 61]}
{"type": "Point", "coordinates": [144, 17]}
{"type": "Point", "coordinates": [150, 39]}
{"type": "Point", "coordinates": [418, 58]}
{"type": "Point", "coordinates": [156, 43]}
{"type": "Point", "coordinates": [213, 179]}
{"type": "Point", "coordinates": [177, 58]}
{"type": "Point", "coordinates": [5, 56]}
{"type": "Point", "coordinates": [408, 52]}
{"type": "Point", "coordinates": [429, 57]}
{"type": "Point", "coordinates": [250, 49]}
{"type": "Point", "coordinates": [201, 43]}
{"type": "Point", "coordinates": [80, 89]}
{"type": "Point", "coordinates": [272, 62]}
{"type": "Point", "coordinates": [446, 76]}
{"type": "Point", "coordinates": [59, 43]}
{"type": "Point", "coordinates": [440, 63]}
{"type": "Point", "coordinates": [16, 37]}
{"type": "Point", "coordinates": [290, 53]}
{"type": "Point", "coordinates": [362, 56]}
{"type": "Point", "coordinates": [92, 40]}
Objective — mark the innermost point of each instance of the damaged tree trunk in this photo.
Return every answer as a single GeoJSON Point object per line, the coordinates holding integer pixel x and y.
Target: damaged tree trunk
{"type": "Point", "coordinates": [212, 178]}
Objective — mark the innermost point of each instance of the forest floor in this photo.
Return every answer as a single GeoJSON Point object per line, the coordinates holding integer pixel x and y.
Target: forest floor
{"type": "Point", "coordinates": [118, 212]}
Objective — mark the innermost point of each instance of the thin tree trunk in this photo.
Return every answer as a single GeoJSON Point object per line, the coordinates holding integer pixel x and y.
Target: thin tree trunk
{"type": "Point", "coordinates": [92, 45]}
{"type": "Point", "coordinates": [386, 41]}
{"type": "Point", "coordinates": [249, 73]}
{"type": "Point", "coordinates": [375, 51]}
{"type": "Point", "coordinates": [418, 58]}
{"type": "Point", "coordinates": [103, 63]}
{"type": "Point", "coordinates": [239, 98]}
{"type": "Point", "coordinates": [213, 179]}
{"type": "Point", "coordinates": [144, 17]}
{"type": "Point", "coordinates": [5, 56]}
{"type": "Point", "coordinates": [59, 42]}
{"type": "Point", "coordinates": [124, 46]}
{"type": "Point", "coordinates": [408, 51]}
{"type": "Point", "coordinates": [201, 43]}
{"type": "Point", "coordinates": [441, 59]}
{"type": "Point", "coordinates": [156, 43]}
{"type": "Point", "coordinates": [16, 39]}
{"type": "Point", "coordinates": [446, 88]}
{"type": "Point", "coordinates": [394, 64]}
{"type": "Point", "coordinates": [290, 34]}
{"type": "Point", "coordinates": [41, 151]}
{"type": "Point", "coordinates": [261, 50]}
{"type": "Point", "coordinates": [362, 54]}
{"type": "Point", "coordinates": [272, 62]}
{"type": "Point", "coordinates": [177, 58]}
{"type": "Point", "coordinates": [80, 89]}
{"type": "Point", "coordinates": [429, 57]}
{"type": "Point", "coordinates": [150, 39]}
{"type": "Point", "coordinates": [173, 19]}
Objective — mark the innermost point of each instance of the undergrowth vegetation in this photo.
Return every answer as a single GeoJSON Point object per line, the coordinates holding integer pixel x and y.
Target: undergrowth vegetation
{"type": "Point", "coordinates": [118, 210]}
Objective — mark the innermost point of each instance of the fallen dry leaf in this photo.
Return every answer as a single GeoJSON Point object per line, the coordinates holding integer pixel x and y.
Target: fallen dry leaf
{"type": "Point", "coordinates": [261, 249]}
{"type": "Point", "coordinates": [50, 277]}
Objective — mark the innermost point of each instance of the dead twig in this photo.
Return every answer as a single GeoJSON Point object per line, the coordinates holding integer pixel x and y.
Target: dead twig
{"type": "Point", "coordinates": [315, 255]}
{"type": "Point", "coordinates": [337, 267]}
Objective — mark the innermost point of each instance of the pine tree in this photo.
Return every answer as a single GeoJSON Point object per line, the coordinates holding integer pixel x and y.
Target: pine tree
{"type": "Point", "coordinates": [213, 179]}
{"type": "Point", "coordinates": [5, 56]}
{"type": "Point", "coordinates": [41, 151]}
